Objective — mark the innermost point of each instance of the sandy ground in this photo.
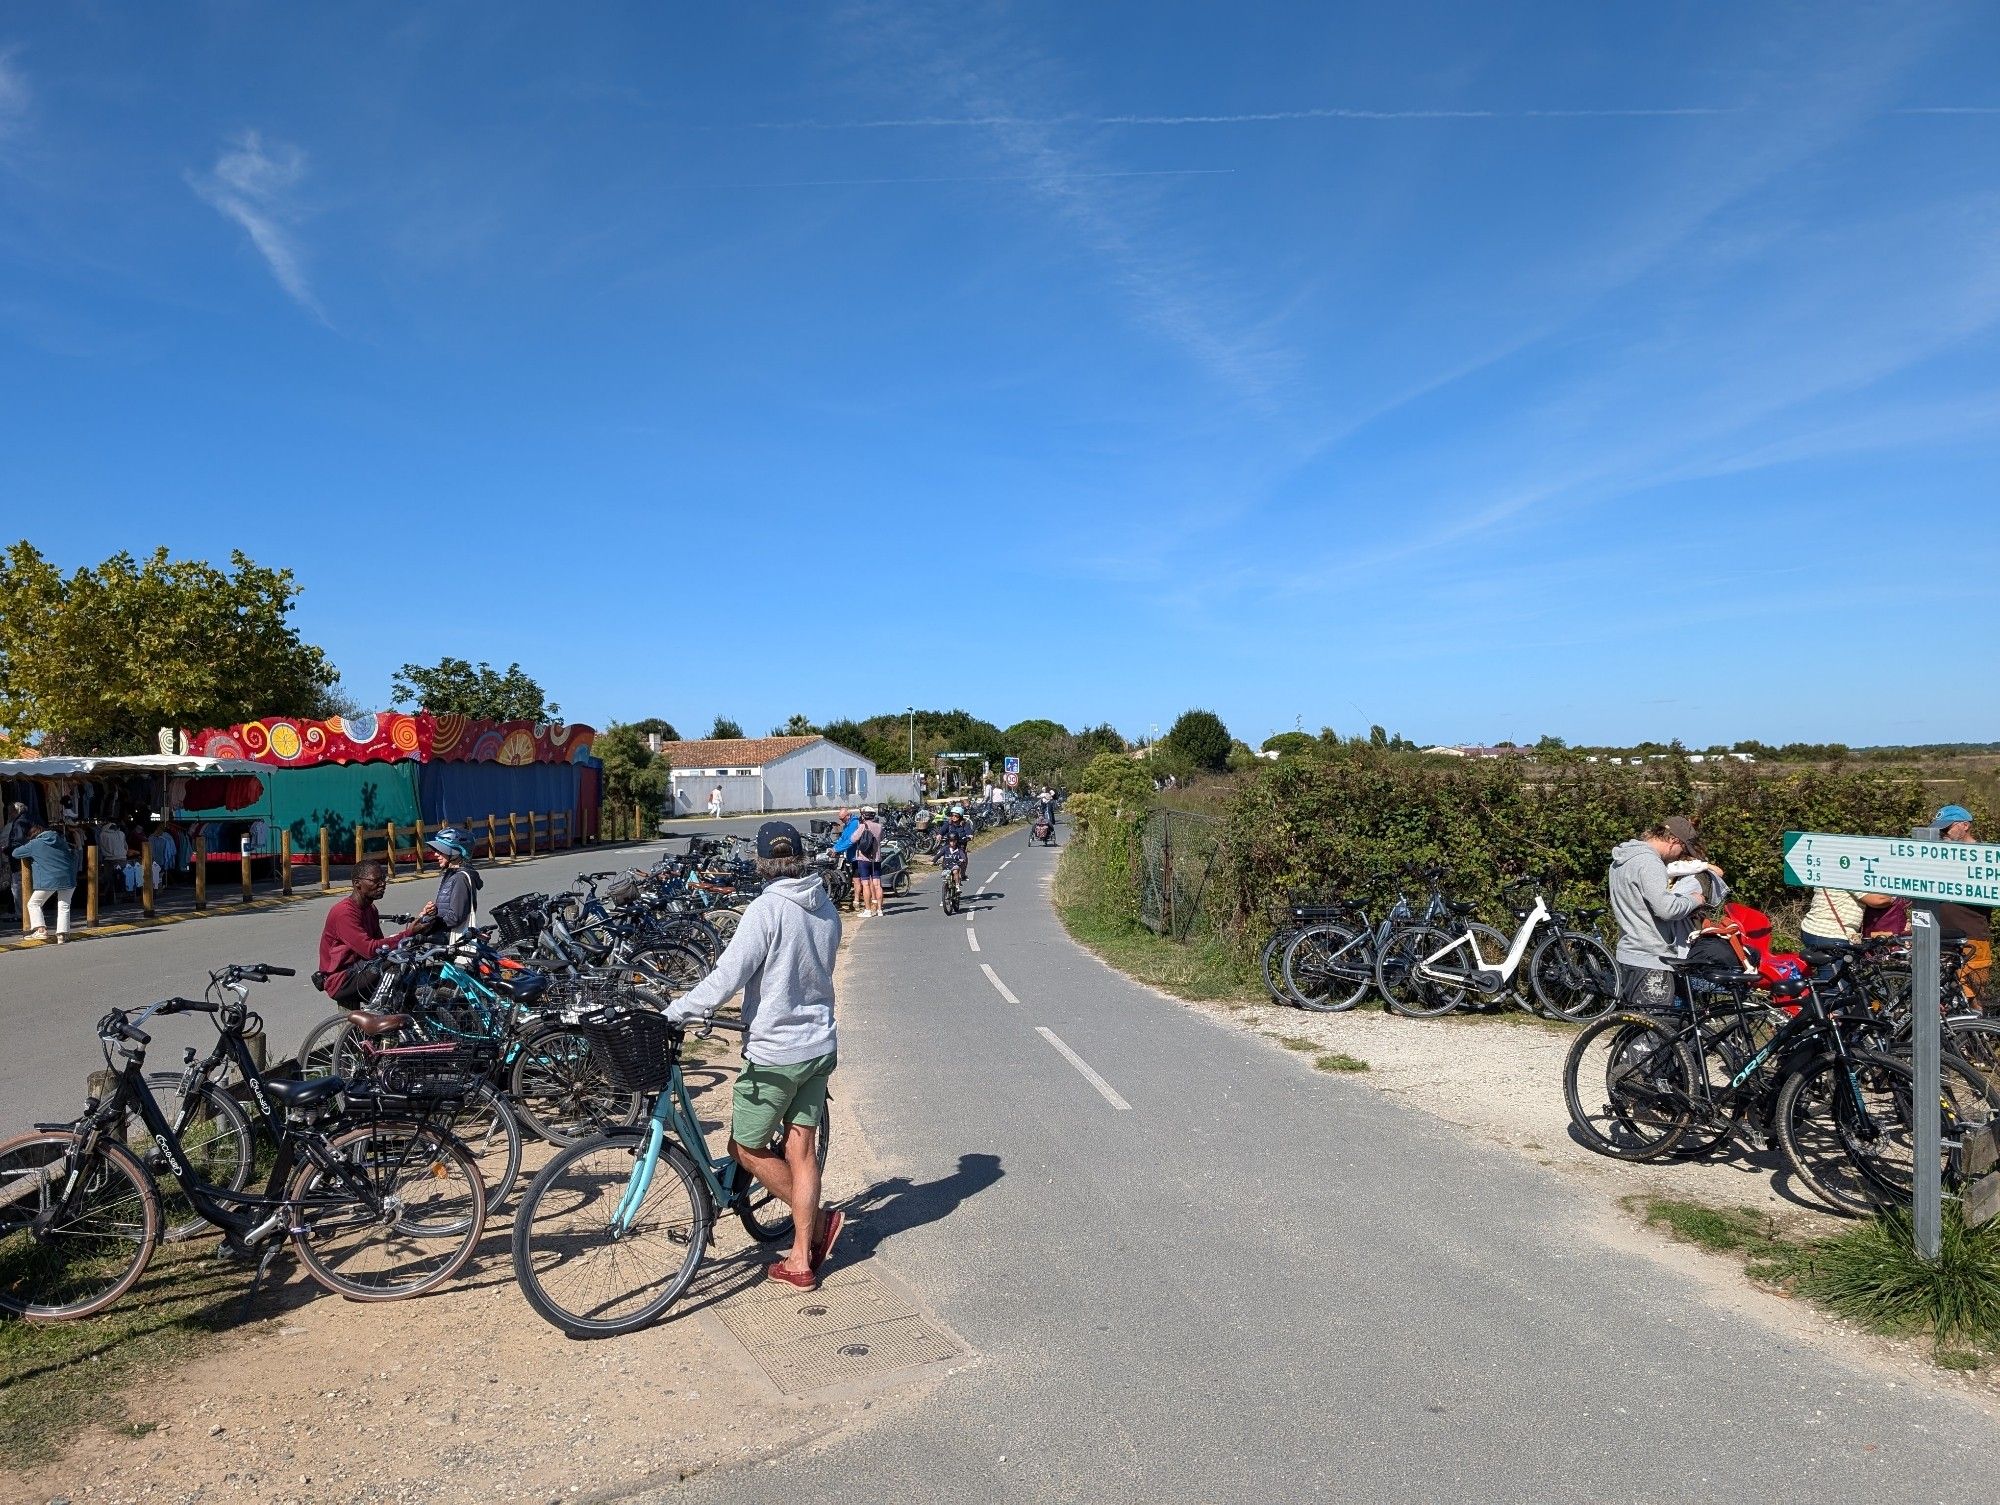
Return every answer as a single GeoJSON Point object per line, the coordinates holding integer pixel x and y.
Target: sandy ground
{"type": "Point", "coordinates": [461, 1396]}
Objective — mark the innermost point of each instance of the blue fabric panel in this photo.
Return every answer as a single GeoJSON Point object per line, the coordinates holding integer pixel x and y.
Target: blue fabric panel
{"type": "Point", "coordinates": [457, 792]}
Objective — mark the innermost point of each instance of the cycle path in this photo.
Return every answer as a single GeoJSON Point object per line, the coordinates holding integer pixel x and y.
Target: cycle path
{"type": "Point", "coordinates": [1194, 1268]}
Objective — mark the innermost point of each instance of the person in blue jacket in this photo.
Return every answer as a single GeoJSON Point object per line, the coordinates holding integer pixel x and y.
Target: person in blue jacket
{"type": "Point", "coordinates": [52, 871]}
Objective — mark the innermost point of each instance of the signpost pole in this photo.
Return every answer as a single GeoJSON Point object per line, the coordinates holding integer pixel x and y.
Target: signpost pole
{"type": "Point", "coordinates": [1927, 1194]}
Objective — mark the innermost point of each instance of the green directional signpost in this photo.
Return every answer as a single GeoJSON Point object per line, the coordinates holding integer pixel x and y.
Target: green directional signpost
{"type": "Point", "coordinates": [1927, 872]}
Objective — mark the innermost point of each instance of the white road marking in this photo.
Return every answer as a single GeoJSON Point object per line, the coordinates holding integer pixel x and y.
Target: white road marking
{"type": "Point", "coordinates": [971, 939]}
{"type": "Point", "coordinates": [990, 878]}
{"type": "Point", "coordinates": [994, 978]}
{"type": "Point", "coordinates": [1110, 1093]}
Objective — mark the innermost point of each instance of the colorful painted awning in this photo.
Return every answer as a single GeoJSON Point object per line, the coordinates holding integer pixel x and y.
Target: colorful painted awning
{"type": "Point", "coordinates": [395, 737]}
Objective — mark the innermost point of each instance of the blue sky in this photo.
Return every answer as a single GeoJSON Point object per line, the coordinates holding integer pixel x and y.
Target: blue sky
{"type": "Point", "coordinates": [1484, 371]}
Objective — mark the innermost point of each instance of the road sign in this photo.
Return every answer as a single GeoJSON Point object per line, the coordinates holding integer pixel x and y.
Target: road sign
{"type": "Point", "coordinates": [1963, 872]}
{"type": "Point", "coordinates": [1013, 779]}
{"type": "Point", "coordinates": [1012, 765]}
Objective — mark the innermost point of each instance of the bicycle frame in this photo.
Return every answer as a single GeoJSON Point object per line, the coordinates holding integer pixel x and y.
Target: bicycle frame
{"type": "Point", "coordinates": [673, 1108]}
{"type": "Point", "coordinates": [1489, 975]}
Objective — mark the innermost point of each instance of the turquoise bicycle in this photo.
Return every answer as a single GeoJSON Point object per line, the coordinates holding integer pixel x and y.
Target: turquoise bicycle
{"type": "Point", "coordinates": [611, 1232]}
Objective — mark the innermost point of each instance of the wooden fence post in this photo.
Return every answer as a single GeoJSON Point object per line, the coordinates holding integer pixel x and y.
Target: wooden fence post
{"type": "Point", "coordinates": [325, 862]}
{"type": "Point", "coordinates": [390, 832]}
{"type": "Point", "coordinates": [357, 846]}
{"type": "Point", "coordinates": [91, 874]}
{"type": "Point", "coordinates": [285, 858]}
{"type": "Point", "coordinates": [146, 878]}
{"type": "Point", "coordinates": [513, 841]}
{"type": "Point", "coordinates": [201, 870]}
{"type": "Point", "coordinates": [420, 843]}
{"type": "Point", "coordinates": [492, 840]}
{"type": "Point", "coordinates": [243, 850]}
{"type": "Point", "coordinates": [531, 833]}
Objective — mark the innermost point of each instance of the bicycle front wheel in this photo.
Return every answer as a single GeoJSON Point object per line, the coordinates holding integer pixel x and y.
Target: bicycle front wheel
{"type": "Point", "coordinates": [1573, 976]}
{"type": "Point", "coordinates": [401, 1216]}
{"type": "Point", "coordinates": [1327, 968]}
{"type": "Point", "coordinates": [216, 1145]}
{"type": "Point", "coordinates": [1628, 1083]}
{"type": "Point", "coordinates": [560, 1090]}
{"type": "Point", "coordinates": [1849, 1130]}
{"type": "Point", "coordinates": [95, 1246]}
{"type": "Point", "coordinates": [590, 1273]}
{"type": "Point", "coordinates": [487, 1126]}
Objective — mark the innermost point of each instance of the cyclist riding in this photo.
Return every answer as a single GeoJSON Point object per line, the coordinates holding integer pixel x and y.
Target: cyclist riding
{"type": "Point", "coordinates": [956, 837]}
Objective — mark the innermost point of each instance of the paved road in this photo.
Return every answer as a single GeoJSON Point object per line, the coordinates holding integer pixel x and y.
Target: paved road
{"type": "Point", "coordinates": [1261, 1283]}
{"type": "Point", "coordinates": [50, 996]}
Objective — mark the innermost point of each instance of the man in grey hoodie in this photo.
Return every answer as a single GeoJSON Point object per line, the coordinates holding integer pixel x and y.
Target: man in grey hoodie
{"type": "Point", "coordinates": [1645, 905]}
{"type": "Point", "coordinates": [781, 960]}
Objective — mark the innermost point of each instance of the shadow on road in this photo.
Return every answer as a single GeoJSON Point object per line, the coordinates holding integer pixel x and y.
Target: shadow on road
{"type": "Point", "coordinates": [899, 1204]}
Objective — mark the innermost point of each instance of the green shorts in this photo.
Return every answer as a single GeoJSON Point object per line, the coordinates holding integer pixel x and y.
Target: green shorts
{"type": "Point", "coordinates": [770, 1099]}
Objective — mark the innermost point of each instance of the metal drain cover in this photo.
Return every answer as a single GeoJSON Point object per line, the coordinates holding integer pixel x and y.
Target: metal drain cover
{"type": "Point", "coordinates": [856, 1329]}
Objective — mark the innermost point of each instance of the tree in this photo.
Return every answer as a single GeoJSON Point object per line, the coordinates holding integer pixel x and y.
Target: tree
{"type": "Point", "coordinates": [1292, 744]}
{"type": "Point", "coordinates": [725, 729]}
{"type": "Point", "coordinates": [633, 773]}
{"type": "Point", "coordinates": [1119, 778]}
{"type": "Point", "coordinates": [1200, 738]}
{"type": "Point", "coordinates": [656, 726]}
{"type": "Point", "coordinates": [101, 660]}
{"type": "Point", "coordinates": [798, 726]}
{"type": "Point", "coordinates": [452, 686]}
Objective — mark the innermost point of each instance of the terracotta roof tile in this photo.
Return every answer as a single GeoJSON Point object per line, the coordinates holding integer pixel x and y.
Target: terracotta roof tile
{"type": "Point", "coordinates": [734, 752]}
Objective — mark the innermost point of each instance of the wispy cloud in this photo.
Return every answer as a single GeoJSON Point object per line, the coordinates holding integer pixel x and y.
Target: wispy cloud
{"type": "Point", "coordinates": [1009, 177]}
{"type": "Point", "coordinates": [257, 188]}
{"type": "Point", "coordinates": [15, 96]}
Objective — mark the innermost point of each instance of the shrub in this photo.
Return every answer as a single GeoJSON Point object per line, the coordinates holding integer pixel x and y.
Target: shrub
{"type": "Point", "coordinates": [1200, 738]}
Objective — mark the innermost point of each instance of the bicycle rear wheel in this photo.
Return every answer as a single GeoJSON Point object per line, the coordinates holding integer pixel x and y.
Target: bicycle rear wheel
{"type": "Point", "coordinates": [767, 1219]}
{"type": "Point", "coordinates": [1327, 968]}
{"type": "Point", "coordinates": [410, 1223]}
{"type": "Point", "coordinates": [1850, 1134]}
{"type": "Point", "coordinates": [583, 1275]}
{"type": "Point", "coordinates": [487, 1125]}
{"type": "Point", "coordinates": [1430, 985]}
{"type": "Point", "coordinates": [1271, 963]}
{"type": "Point", "coordinates": [95, 1250]}
{"type": "Point", "coordinates": [1628, 1081]}
{"type": "Point", "coordinates": [1573, 976]}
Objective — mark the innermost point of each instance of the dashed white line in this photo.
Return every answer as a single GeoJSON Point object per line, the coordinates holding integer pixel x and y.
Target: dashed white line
{"type": "Point", "coordinates": [990, 878]}
{"type": "Point", "coordinates": [994, 978]}
{"type": "Point", "coordinates": [971, 939]}
{"type": "Point", "coordinates": [1110, 1093]}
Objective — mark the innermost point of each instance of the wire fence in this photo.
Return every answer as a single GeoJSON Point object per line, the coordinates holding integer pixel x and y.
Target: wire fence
{"type": "Point", "coordinates": [1177, 855]}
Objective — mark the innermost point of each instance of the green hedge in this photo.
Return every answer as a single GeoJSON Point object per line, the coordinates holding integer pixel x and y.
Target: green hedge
{"type": "Point", "coordinates": [1345, 825]}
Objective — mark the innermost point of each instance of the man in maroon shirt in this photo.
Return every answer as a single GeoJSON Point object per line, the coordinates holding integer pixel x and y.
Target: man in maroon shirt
{"type": "Point", "coordinates": [352, 937]}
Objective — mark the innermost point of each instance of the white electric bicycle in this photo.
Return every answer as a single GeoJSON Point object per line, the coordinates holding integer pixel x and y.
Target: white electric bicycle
{"type": "Point", "coordinates": [1570, 974]}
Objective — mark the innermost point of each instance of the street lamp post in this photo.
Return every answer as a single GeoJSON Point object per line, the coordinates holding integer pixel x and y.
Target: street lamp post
{"type": "Point", "coordinates": [913, 739]}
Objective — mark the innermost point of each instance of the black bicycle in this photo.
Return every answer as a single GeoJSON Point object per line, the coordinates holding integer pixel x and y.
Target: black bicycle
{"type": "Point", "coordinates": [378, 1202]}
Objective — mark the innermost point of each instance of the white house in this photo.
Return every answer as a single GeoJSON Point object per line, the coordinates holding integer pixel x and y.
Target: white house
{"type": "Point", "coordinates": [767, 773]}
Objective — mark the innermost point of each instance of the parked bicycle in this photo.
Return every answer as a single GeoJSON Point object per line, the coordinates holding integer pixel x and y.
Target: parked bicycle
{"type": "Point", "coordinates": [377, 1200]}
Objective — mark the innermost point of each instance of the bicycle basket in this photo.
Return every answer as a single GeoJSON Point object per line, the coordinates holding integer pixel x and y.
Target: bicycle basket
{"type": "Point", "coordinates": [623, 889]}
{"type": "Point", "coordinates": [519, 919]}
{"type": "Point", "coordinates": [633, 1047]}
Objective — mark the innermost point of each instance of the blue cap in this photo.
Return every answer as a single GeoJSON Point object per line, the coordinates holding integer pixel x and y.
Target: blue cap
{"type": "Point", "coordinates": [452, 843]}
{"type": "Point", "coordinates": [1951, 815]}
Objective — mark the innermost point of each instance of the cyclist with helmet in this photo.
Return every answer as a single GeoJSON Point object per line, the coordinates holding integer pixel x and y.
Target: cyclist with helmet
{"type": "Point", "coordinates": [457, 902]}
{"type": "Point", "coordinates": [955, 837]}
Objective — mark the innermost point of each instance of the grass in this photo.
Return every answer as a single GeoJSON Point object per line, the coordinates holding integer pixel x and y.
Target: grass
{"type": "Point", "coordinates": [1869, 1274]}
{"type": "Point", "coordinates": [57, 1378]}
{"type": "Point", "coordinates": [1340, 1061]}
{"type": "Point", "coordinates": [1201, 970]}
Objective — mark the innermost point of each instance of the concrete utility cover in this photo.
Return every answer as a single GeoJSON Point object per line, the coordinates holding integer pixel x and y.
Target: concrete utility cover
{"type": "Point", "coordinates": [853, 1328]}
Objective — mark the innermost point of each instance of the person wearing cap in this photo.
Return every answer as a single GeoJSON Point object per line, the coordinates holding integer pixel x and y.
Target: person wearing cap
{"type": "Point", "coordinates": [457, 901]}
{"type": "Point", "coordinates": [781, 960]}
{"type": "Point", "coordinates": [864, 850]}
{"type": "Point", "coordinates": [955, 849]}
{"type": "Point", "coordinates": [1649, 910]}
{"type": "Point", "coordinates": [1964, 922]}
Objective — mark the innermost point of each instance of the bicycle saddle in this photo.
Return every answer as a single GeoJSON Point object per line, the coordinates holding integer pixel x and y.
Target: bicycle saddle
{"type": "Point", "coordinates": [1457, 908]}
{"type": "Point", "coordinates": [1585, 916]}
{"type": "Point", "coordinates": [372, 1024]}
{"type": "Point", "coordinates": [292, 1094]}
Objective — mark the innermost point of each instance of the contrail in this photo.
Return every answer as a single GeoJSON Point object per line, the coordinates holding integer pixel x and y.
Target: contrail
{"type": "Point", "coordinates": [920, 122]}
{"type": "Point", "coordinates": [1266, 117]}
{"type": "Point", "coordinates": [1025, 177]}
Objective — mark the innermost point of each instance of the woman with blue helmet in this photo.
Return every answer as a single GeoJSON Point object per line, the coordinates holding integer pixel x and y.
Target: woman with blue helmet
{"type": "Point", "coordinates": [458, 888]}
